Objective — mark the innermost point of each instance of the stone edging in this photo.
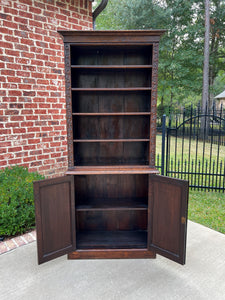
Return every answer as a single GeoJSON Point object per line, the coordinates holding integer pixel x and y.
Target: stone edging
{"type": "Point", "coordinates": [17, 242]}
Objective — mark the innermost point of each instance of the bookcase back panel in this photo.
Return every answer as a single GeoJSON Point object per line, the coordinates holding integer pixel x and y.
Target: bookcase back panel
{"type": "Point", "coordinates": [86, 102]}
{"type": "Point", "coordinates": [110, 186]}
{"type": "Point", "coordinates": [112, 239]}
{"type": "Point", "coordinates": [113, 55]}
{"type": "Point", "coordinates": [111, 153]}
{"type": "Point", "coordinates": [111, 220]}
{"type": "Point", "coordinates": [110, 78]}
{"type": "Point", "coordinates": [111, 127]}
{"type": "Point", "coordinates": [111, 210]}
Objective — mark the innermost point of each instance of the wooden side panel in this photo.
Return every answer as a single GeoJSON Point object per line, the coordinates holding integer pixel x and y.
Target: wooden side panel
{"type": "Point", "coordinates": [69, 105]}
{"type": "Point", "coordinates": [153, 104]}
{"type": "Point", "coordinates": [168, 203]}
{"type": "Point", "coordinates": [55, 217]}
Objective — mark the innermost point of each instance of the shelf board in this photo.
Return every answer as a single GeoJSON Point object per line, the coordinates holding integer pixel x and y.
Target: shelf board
{"type": "Point", "coordinates": [111, 66]}
{"type": "Point", "coordinates": [113, 114]}
{"type": "Point", "coordinates": [98, 170]}
{"type": "Point", "coordinates": [111, 239]}
{"type": "Point", "coordinates": [103, 204]}
{"type": "Point", "coordinates": [131, 89]}
{"type": "Point", "coordinates": [109, 140]}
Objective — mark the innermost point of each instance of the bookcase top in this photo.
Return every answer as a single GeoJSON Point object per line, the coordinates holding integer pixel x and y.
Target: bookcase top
{"type": "Point", "coordinates": [112, 36]}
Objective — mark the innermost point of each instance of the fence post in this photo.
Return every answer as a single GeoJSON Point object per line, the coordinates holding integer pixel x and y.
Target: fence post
{"type": "Point", "coordinates": [163, 144]}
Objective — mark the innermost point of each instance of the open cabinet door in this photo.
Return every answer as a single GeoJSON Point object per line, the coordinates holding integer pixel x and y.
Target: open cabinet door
{"type": "Point", "coordinates": [168, 208]}
{"type": "Point", "coordinates": [55, 217]}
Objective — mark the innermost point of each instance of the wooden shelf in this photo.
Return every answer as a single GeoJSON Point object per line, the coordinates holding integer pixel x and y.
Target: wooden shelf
{"type": "Point", "coordinates": [103, 204]}
{"type": "Point", "coordinates": [113, 114]}
{"type": "Point", "coordinates": [110, 140]}
{"type": "Point", "coordinates": [123, 169]}
{"type": "Point", "coordinates": [131, 89]}
{"type": "Point", "coordinates": [111, 239]}
{"type": "Point", "coordinates": [111, 66]}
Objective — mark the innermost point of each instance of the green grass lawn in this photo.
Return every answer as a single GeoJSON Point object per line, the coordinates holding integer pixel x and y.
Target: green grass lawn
{"type": "Point", "coordinates": [176, 146]}
{"type": "Point", "coordinates": [208, 209]}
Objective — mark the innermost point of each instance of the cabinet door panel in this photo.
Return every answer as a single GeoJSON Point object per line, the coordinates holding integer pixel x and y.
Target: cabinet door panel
{"type": "Point", "coordinates": [168, 202]}
{"type": "Point", "coordinates": [55, 217]}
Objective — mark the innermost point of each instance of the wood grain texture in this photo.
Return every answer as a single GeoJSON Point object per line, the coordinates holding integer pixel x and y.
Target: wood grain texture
{"type": "Point", "coordinates": [128, 140]}
{"type": "Point", "coordinates": [111, 186]}
{"type": "Point", "coordinates": [111, 152]}
{"type": "Point", "coordinates": [112, 239]}
{"type": "Point", "coordinates": [120, 66]}
{"type": "Point", "coordinates": [95, 170]}
{"type": "Point", "coordinates": [111, 66]}
{"type": "Point", "coordinates": [153, 104]}
{"type": "Point", "coordinates": [111, 127]}
{"type": "Point", "coordinates": [69, 104]}
{"type": "Point", "coordinates": [112, 254]}
{"type": "Point", "coordinates": [111, 220]}
{"type": "Point", "coordinates": [107, 37]}
{"type": "Point", "coordinates": [111, 89]}
{"type": "Point", "coordinates": [111, 78]}
{"type": "Point", "coordinates": [113, 114]}
{"type": "Point", "coordinates": [123, 209]}
{"type": "Point", "coordinates": [99, 204]}
{"type": "Point", "coordinates": [168, 217]}
{"type": "Point", "coordinates": [55, 217]}
{"type": "Point", "coordinates": [118, 102]}
{"type": "Point", "coordinates": [114, 98]}
{"type": "Point", "coordinates": [119, 57]}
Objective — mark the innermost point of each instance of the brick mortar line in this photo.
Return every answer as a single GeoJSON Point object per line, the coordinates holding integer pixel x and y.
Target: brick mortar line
{"type": "Point", "coordinates": [10, 244]}
{"type": "Point", "coordinates": [15, 242]}
{"type": "Point", "coordinates": [6, 246]}
{"type": "Point", "coordinates": [25, 241]}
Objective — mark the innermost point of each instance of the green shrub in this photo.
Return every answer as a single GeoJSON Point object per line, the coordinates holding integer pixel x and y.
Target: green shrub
{"type": "Point", "coordinates": [16, 200]}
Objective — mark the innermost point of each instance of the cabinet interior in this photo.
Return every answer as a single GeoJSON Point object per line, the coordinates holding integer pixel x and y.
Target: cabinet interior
{"type": "Point", "coordinates": [111, 55]}
{"type": "Point", "coordinates": [120, 102]}
{"type": "Point", "coordinates": [111, 116]}
{"type": "Point", "coordinates": [111, 104]}
{"type": "Point", "coordinates": [111, 211]}
{"type": "Point", "coordinates": [111, 153]}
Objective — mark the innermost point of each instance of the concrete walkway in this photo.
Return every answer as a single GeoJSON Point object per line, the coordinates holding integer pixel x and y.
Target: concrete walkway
{"type": "Point", "coordinates": [203, 276]}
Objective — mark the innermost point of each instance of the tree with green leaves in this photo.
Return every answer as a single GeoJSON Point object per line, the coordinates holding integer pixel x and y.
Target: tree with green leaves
{"type": "Point", "coordinates": [217, 45]}
{"type": "Point", "coordinates": [181, 48]}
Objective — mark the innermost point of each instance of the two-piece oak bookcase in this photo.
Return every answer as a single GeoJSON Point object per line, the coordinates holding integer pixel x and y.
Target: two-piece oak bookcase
{"type": "Point", "coordinates": [111, 203]}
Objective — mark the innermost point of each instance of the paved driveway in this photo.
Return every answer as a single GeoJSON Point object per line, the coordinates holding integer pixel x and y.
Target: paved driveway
{"type": "Point", "coordinates": [203, 276]}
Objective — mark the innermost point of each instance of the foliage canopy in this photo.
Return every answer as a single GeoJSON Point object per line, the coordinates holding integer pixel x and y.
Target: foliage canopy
{"type": "Point", "coordinates": [181, 48]}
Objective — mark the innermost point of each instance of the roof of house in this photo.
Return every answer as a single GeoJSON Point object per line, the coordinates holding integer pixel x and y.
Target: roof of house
{"type": "Point", "coordinates": [221, 95]}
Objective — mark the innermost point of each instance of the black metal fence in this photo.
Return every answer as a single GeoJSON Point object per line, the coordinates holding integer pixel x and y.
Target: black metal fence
{"type": "Point", "coordinates": [191, 146]}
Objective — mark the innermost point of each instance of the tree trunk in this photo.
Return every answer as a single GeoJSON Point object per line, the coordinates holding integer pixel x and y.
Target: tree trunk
{"type": "Point", "coordinates": [205, 85]}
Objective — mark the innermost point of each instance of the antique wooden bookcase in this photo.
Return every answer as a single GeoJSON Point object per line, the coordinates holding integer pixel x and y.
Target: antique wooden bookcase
{"type": "Point", "coordinates": [111, 203]}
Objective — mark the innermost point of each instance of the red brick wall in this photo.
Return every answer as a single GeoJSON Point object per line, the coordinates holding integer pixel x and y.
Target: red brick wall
{"type": "Point", "coordinates": [32, 96]}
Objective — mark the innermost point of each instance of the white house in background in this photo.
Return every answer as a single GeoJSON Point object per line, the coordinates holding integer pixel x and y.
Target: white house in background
{"type": "Point", "coordinates": [220, 100]}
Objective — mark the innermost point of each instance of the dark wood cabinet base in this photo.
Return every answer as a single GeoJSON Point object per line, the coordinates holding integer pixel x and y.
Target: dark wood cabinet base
{"type": "Point", "coordinates": [111, 254]}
